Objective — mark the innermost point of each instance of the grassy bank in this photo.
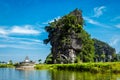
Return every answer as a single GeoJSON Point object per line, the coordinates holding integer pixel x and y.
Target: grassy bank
{"type": "Point", "coordinates": [45, 66]}
{"type": "Point", "coordinates": [113, 67]}
{"type": "Point", "coordinates": [6, 66]}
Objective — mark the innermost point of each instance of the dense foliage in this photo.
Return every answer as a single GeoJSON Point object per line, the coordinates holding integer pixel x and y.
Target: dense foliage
{"type": "Point", "coordinates": [103, 51]}
{"type": "Point", "coordinates": [49, 59]}
{"type": "Point", "coordinates": [68, 38]}
{"type": "Point", "coordinates": [71, 43]}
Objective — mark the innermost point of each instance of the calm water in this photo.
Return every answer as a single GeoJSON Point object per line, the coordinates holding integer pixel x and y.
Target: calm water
{"type": "Point", "coordinates": [13, 74]}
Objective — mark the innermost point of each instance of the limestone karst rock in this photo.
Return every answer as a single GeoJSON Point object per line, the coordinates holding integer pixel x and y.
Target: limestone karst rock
{"type": "Point", "coordinates": [69, 40]}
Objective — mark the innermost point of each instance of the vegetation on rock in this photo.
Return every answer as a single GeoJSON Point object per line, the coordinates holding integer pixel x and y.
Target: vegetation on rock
{"type": "Point", "coordinates": [71, 43]}
{"type": "Point", "coordinates": [104, 52]}
{"type": "Point", "coordinates": [69, 39]}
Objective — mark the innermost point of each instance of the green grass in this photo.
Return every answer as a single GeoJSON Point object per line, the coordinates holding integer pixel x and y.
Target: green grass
{"type": "Point", "coordinates": [100, 67]}
{"type": "Point", "coordinates": [86, 67]}
{"type": "Point", "coordinates": [113, 67]}
{"type": "Point", "coordinates": [44, 66]}
{"type": "Point", "coordinates": [6, 66]}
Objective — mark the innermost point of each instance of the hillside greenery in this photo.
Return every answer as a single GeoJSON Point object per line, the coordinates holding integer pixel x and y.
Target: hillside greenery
{"type": "Point", "coordinates": [104, 52]}
{"type": "Point", "coordinates": [72, 44]}
{"type": "Point", "coordinates": [62, 33]}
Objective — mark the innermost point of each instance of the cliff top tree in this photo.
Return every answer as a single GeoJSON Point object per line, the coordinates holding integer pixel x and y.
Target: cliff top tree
{"type": "Point", "coordinates": [68, 39]}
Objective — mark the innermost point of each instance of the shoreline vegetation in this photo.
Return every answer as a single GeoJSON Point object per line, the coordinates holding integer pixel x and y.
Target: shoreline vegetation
{"type": "Point", "coordinates": [107, 67]}
{"type": "Point", "coordinates": [7, 66]}
{"type": "Point", "coordinates": [99, 67]}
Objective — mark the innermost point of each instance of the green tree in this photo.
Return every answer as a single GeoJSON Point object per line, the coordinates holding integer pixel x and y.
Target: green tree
{"type": "Point", "coordinates": [39, 61]}
{"type": "Point", "coordinates": [103, 57]}
{"type": "Point", "coordinates": [96, 57]}
{"type": "Point", "coordinates": [10, 62]}
{"type": "Point", "coordinates": [114, 57]}
{"type": "Point", "coordinates": [49, 59]}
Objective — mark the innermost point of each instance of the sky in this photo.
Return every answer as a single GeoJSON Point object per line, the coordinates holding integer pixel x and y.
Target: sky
{"type": "Point", "coordinates": [22, 24]}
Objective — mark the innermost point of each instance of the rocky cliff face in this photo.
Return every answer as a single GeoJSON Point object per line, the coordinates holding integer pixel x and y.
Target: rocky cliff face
{"type": "Point", "coordinates": [103, 51]}
{"type": "Point", "coordinates": [69, 40]}
{"type": "Point", "coordinates": [71, 43]}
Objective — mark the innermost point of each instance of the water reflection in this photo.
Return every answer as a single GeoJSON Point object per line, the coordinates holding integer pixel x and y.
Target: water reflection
{"type": "Point", "coordinates": [13, 74]}
{"type": "Point", "coordinates": [69, 75]}
{"type": "Point", "coordinates": [33, 74]}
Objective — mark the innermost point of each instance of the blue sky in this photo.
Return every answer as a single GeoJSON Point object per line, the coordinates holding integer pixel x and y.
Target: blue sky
{"type": "Point", "coordinates": [22, 24]}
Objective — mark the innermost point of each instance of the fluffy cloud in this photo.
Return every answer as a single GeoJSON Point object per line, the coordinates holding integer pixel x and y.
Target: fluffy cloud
{"type": "Point", "coordinates": [23, 30]}
{"type": "Point", "coordinates": [98, 11]}
{"type": "Point", "coordinates": [27, 29]}
{"type": "Point", "coordinates": [3, 31]}
{"type": "Point", "coordinates": [11, 37]}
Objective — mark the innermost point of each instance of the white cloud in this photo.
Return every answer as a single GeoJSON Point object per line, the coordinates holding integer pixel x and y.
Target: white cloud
{"type": "Point", "coordinates": [27, 29]}
{"type": "Point", "coordinates": [117, 26]}
{"type": "Point", "coordinates": [115, 41]}
{"type": "Point", "coordinates": [23, 30]}
{"type": "Point", "coordinates": [30, 42]}
{"type": "Point", "coordinates": [21, 43]}
{"type": "Point", "coordinates": [52, 20]}
{"type": "Point", "coordinates": [3, 31]}
{"type": "Point", "coordinates": [17, 46]}
{"type": "Point", "coordinates": [91, 21]}
{"type": "Point", "coordinates": [8, 41]}
{"type": "Point", "coordinates": [98, 11]}
{"type": "Point", "coordinates": [20, 40]}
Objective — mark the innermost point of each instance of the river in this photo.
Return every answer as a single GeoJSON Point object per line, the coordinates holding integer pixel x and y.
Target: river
{"type": "Point", "coordinates": [13, 74]}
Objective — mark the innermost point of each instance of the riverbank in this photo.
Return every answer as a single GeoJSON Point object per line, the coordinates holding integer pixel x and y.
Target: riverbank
{"type": "Point", "coordinates": [113, 67]}
{"type": "Point", "coordinates": [6, 66]}
{"type": "Point", "coordinates": [106, 67]}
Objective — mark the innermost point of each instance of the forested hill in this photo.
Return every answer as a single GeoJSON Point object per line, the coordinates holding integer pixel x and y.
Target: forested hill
{"type": "Point", "coordinates": [104, 51]}
{"type": "Point", "coordinates": [71, 43]}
